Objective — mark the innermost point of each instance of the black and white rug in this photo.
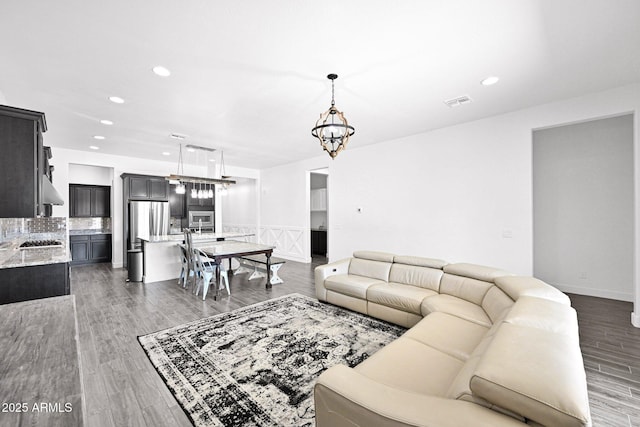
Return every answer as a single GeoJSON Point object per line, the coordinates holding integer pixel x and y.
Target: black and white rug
{"type": "Point", "coordinates": [256, 366]}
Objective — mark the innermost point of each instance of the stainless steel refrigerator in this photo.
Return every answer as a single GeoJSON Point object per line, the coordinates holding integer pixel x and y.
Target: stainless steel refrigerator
{"type": "Point", "coordinates": [147, 219]}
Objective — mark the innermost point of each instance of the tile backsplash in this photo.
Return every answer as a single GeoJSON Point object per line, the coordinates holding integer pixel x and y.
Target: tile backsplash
{"type": "Point", "coordinates": [33, 228]}
{"type": "Point", "coordinates": [103, 224]}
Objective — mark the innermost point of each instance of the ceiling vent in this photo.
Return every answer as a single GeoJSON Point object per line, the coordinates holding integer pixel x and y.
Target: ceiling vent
{"type": "Point", "coordinates": [178, 136]}
{"type": "Point", "coordinates": [191, 147]}
{"type": "Point", "coordinates": [458, 101]}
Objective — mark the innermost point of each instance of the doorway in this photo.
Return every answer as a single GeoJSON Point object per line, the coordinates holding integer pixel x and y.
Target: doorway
{"type": "Point", "coordinates": [318, 212]}
{"type": "Point", "coordinates": [583, 207]}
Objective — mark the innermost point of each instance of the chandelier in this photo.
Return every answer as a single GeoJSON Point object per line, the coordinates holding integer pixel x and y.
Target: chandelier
{"type": "Point", "coordinates": [332, 128]}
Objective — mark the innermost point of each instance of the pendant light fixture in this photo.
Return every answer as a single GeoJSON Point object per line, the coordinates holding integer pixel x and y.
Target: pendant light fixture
{"type": "Point", "coordinates": [202, 187]}
{"type": "Point", "coordinates": [332, 128]}
{"type": "Point", "coordinates": [180, 187]}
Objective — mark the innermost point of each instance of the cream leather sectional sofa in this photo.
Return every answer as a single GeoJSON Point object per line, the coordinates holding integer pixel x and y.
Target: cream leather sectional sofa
{"type": "Point", "coordinates": [484, 348]}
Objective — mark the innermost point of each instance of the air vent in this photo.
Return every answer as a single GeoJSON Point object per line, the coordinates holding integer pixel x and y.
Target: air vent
{"type": "Point", "coordinates": [178, 136]}
{"type": "Point", "coordinates": [460, 100]}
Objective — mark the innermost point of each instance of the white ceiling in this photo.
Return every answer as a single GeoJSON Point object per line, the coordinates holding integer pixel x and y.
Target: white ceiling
{"type": "Point", "coordinates": [249, 76]}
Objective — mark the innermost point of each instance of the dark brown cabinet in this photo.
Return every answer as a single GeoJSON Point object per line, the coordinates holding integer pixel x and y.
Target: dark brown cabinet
{"type": "Point", "coordinates": [194, 201]}
{"type": "Point", "coordinates": [89, 201]}
{"type": "Point", "coordinates": [33, 282]}
{"type": "Point", "coordinates": [22, 162]}
{"type": "Point", "coordinates": [147, 187]}
{"type": "Point", "coordinates": [177, 204]}
{"type": "Point", "coordinates": [319, 242]}
{"type": "Point", "coordinates": [90, 248]}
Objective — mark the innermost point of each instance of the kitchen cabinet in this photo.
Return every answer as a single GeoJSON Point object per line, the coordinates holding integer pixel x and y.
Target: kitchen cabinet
{"type": "Point", "coordinates": [89, 201]}
{"type": "Point", "coordinates": [194, 201]}
{"type": "Point", "coordinates": [177, 203]}
{"type": "Point", "coordinates": [33, 282]}
{"type": "Point", "coordinates": [319, 199]}
{"type": "Point", "coordinates": [319, 242]}
{"type": "Point", "coordinates": [142, 187]}
{"type": "Point", "coordinates": [90, 248]}
{"type": "Point", "coordinates": [22, 162]}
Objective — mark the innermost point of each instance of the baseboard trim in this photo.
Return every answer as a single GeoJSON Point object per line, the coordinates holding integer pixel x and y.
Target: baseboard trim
{"type": "Point", "coordinates": [600, 293]}
{"type": "Point", "coordinates": [635, 319]}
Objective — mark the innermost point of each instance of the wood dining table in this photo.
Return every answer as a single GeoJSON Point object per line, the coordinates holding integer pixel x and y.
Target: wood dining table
{"type": "Point", "coordinates": [228, 249]}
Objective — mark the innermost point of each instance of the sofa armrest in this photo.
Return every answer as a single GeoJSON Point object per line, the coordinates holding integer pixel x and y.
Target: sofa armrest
{"type": "Point", "coordinates": [326, 270]}
{"type": "Point", "coordinates": [345, 398]}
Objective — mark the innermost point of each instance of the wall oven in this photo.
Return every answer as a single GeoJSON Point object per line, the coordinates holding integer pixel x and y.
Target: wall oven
{"type": "Point", "coordinates": [201, 219]}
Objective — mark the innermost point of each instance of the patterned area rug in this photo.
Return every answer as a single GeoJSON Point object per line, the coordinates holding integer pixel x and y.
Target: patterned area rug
{"type": "Point", "coordinates": [256, 366]}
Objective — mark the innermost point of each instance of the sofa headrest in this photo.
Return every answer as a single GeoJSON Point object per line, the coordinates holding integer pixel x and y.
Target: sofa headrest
{"type": "Point", "coordinates": [374, 256]}
{"type": "Point", "coordinates": [544, 314]}
{"type": "Point", "coordinates": [518, 286]}
{"type": "Point", "coordinates": [419, 261]}
{"type": "Point", "coordinates": [474, 271]}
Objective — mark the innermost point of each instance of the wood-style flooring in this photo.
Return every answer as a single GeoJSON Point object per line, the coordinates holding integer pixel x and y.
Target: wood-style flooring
{"type": "Point", "coordinates": [121, 387]}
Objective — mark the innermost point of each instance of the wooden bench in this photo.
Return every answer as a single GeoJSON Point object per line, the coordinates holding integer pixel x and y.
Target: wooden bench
{"type": "Point", "coordinates": [259, 264]}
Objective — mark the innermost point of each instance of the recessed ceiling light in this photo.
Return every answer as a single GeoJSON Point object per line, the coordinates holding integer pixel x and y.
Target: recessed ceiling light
{"type": "Point", "coordinates": [161, 71]}
{"type": "Point", "coordinates": [93, 147]}
{"type": "Point", "coordinates": [98, 137]}
{"type": "Point", "coordinates": [212, 160]}
{"type": "Point", "coordinates": [191, 150]}
{"type": "Point", "coordinates": [490, 81]}
{"type": "Point", "coordinates": [166, 153]}
{"type": "Point", "coordinates": [106, 122]}
{"type": "Point", "coordinates": [116, 99]}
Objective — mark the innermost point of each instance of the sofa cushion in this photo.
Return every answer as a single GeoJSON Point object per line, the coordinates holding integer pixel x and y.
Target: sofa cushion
{"type": "Point", "coordinates": [396, 295]}
{"type": "Point", "coordinates": [450, 334]}
{"type": "Point", "coordinates": [518, 286]}
{"type": "Point", "coordinates": [456, 307]}
{"type": "Point", "coordinates": [535, 373]}
{"type": "Point", "coordinates": [369, 268]}
{"type": "Point", "coordinates": [350, 284]}
{"type": "Point", "coordinates": [495, 303]}
{"type": "Point", "coordinates": [424, 277]}
{"type": "Point", "coordinates": [409, 365]}
{"type": "Point", "coordinates": [472, 290]}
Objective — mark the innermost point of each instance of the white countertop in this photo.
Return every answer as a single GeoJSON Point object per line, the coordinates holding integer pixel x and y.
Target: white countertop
{"type": "Point", "coordinates": [15, 257]}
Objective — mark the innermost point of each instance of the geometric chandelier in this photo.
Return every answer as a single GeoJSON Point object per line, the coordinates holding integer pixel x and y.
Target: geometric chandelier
{"type": "Point", "coordinates": [332, 128]}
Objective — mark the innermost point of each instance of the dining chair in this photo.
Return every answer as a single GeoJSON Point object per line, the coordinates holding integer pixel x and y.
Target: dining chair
{"type": "Point", "coordinates": [205, 268]}
{"type": "Point", "coordinates": [188, 255]}
{"type": "Point", "coordinates": [186, 271]}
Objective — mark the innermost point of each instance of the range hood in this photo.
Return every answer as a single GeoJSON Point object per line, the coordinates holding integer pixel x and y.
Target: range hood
{"type": "Point", "coordinates": [50, 195]}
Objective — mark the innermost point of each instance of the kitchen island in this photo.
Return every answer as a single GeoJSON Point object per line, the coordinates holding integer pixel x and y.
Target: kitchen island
{"type": "Point", "coordinates": [161, 254]}
{"type": "Point", "coordinates": [23, 271]}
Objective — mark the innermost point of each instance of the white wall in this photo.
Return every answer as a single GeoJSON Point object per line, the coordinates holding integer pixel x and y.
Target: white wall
{"type": "Point", "coordinates": [89, 175]}
{"type": "Point", "coordinates": [456, 193]}
{"type": "Point", "coordinates": [240, 206]}
{"type": "Point", "coordinates": [284, 207]}
{"type": "Point", "coordinates": [583, 207]}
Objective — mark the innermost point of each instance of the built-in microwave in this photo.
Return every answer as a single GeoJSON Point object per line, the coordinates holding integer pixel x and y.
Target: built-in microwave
{"type": "Point", "coordinates": [201, 219]}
